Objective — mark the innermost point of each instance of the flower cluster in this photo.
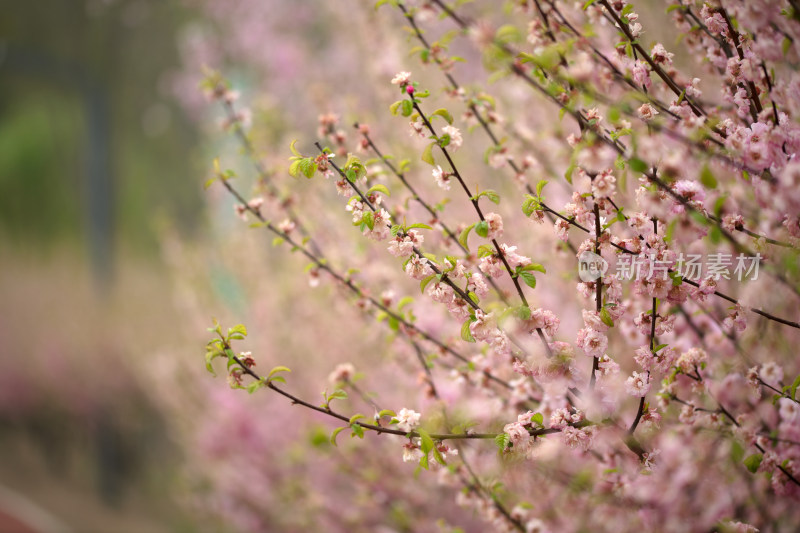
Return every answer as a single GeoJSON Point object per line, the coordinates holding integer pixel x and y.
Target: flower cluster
{"type": "Point", "coordinates": [687, 383]}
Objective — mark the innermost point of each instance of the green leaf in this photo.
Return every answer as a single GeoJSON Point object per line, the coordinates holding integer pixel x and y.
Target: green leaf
{"type": "Point", "coordinates": [466, 334]}
{"type": "Point", "coordinates": [406, 300]}
{"type": "Point", "coordinates": [425, 281]}
{"type": "Point", "coordinates": [528, 278]}
{"type": "Point", "coordinates": [307, 166]}
{"type": "Point", "coordinates": [356, 417]}
{"type": "Point", "coordinates": [605, 316]}
{"type": "Point", "coordinates": [638, 165]}
{"type": "Point", "coordinates": [425, 441]}
{"type": "Point", "coordinates": [254, 386]}
{"type": "Point", "coordinates": [438, 456]}
{"type": "Point", "coordinates": [293, 168]}
{"type": "Point", "coordinates": [335, 434]}
{"type": "Point", "coordinates": [523, 312]}
{"type": "Point", "coordinates": [502, 440]}
{"type": "Point", "coordinates": [427, 154]}
{"type": "Point", "coordinates": [715, 235]}
{"type": "Point", "coordinates": [209, 182]}
{"type": "Point", "coordinates": [394, 106]}
{"type": "Point", "coordinates": [719, 203]}
{"type": "Point", "coordinates": [490, 194]}
{"type": "Point", "coordinates": [238, 328]}
{"type": "Point", "coordinates": [540, 187]}
{"type": "Point", "coordinates": [423, 462]}
{"type": "Point", "coordinates": [538, 419]}
{"type": "Point", "coordinates": [737, 451]}
{"type": "Point", "coordinates": [387, 412]}
{"type": "Point", "coordinates": [418, 226]}
{"type": "Point", "coordinates": [588, 3]}
{"type": "Point", "coordinates": [752, 462]}
{"type": "Point", "coordinates": [277, 241]}
{"type": "Point", "coordinates": [294, 150]}
{"type": "Point", "coordinates": [358, 431]}
{"type": "Point", "coordinates": [793, 388]}
{"type": "Point", "coordinates": [707, 178]}
{"type": "Point", "coordinates": [464, 236]}
{"type": "Point", "coordinates": [369, 219]}
{"type": "Point", "coordinates": [276, 370]}
{"type": "Point", "coordinates": [485, 250]}
{"type": "Point", "coordinates": [530, 205]}
{"type": "Point", "coordinates": [379, 188]}
{"type": "Point", "coordinates": [568, 173]}
{"type": "Point", "coordinates": [534, 266]}
{"type": "Point", "coordinates": [407, 108]}
{"type": "Point", "coordinates": [444, 113]}
{"type": "Point", "coordinates": [338, 394]}
{"type": "Point", "coordinates": [482, 228]}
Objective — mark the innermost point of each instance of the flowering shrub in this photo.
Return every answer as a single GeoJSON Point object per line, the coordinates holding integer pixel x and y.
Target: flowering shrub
{"type": "Point", "coordinates": [602, 308]}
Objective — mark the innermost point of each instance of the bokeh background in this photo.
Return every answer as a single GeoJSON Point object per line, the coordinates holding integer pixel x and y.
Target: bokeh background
{"type": "Point", "coordinates": [113, 260]}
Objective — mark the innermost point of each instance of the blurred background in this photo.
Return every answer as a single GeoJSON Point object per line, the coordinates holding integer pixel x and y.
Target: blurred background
{"type": "Point", "coordinates": [94, 151]}
{"type": "Point", "coordinates": [113, 261]}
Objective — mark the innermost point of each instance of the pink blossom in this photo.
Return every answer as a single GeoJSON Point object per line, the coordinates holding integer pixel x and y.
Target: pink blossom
{"type": "Point", "coordinates": [542, 319]}
{"type": "Point", "coordinates": [638, 384]}
{"type": "Point", "coordinates": [604, 184]}
{"type": "Point", "coordinates": [789, 410]}
{"type": "Point", "coordinates": [562, 229]}
{"type": "Point", "coordinates": [579, 438]}
{"type": "Point", "coordinates": [594, 343]}
{"type": "Point", "coordinates": [518, 436]}
{"type": "Point", "coordinates": [660, 55]}
{"type": "Point", "coordinates": [647, 112]}
{"type": "Point", "coordinates": [691, 359]}
{"type": "Point", "coordinates": [342, 372]}
{"type": "Point", "coordinates": [478, 285]}
{"type": "Point", "coordinates": [771, 373]}
{"type": "Point", "coordinates": [411, 453]}
{"type": "Point", "coordinates": [418, 267]}
{"type": "Point", "coordinates": [492, 266]}
{"type": "Point", "coordinates": [382, 222]}
{"type": "Point", "coordinates": [442, 178]}
{"type": "Point", "coordinates": [512, 257]}
{"type": "Point", "coordinates": [401, 78]}
{"type": "Point", "coordinates": [593, 321]}
{"type": "Point", "coordinates": [495, 223]}
{"type": "Point", "coordinates": [607, 366]}
{"type": "Point", "coordinates": [440, 292]}
{"type": "Point", "coordinates": [641, 74]}
{"type": "Point", "coordinates": [455, 137]}
{"type": "Point", "coordinates": [407, 419]}
{"type": "Point", "coordinates": [403, 245]}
